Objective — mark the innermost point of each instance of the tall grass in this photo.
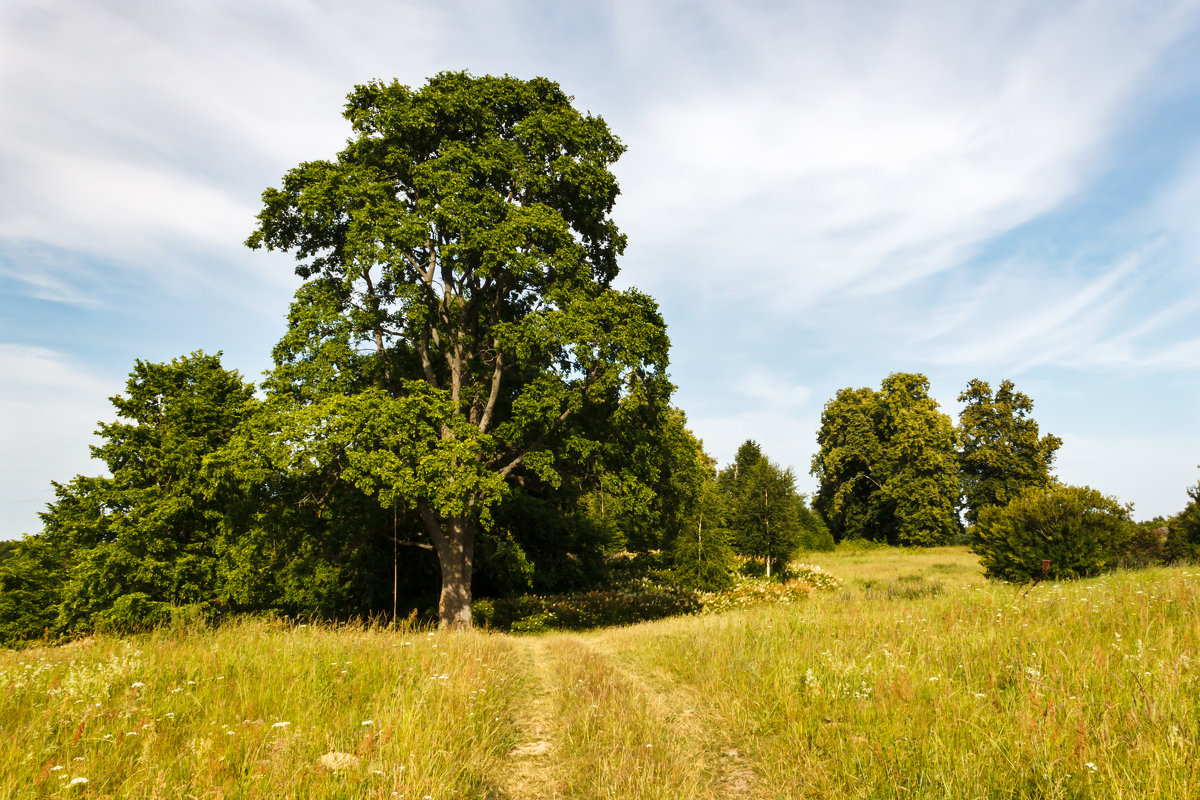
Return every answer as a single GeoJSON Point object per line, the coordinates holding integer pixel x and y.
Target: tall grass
{"type": "Point", "coordinates": [1088, 689]}
{"type": "Point", "coordinates": [913, 678]}
{"type": "Point", "coordinates": [247, 710]}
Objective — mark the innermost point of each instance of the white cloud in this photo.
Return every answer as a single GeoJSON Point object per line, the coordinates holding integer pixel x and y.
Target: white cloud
{"type": "Point", "coordinates": [49, 407]}
{"type": "Point", "coordinates": [887, 152]}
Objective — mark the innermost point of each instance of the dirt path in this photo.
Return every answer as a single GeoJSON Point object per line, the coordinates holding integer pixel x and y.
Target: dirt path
{"type": "Point", "coordinates": [531, 770]}
{"type": "Point", "coordinates": [596, 727]}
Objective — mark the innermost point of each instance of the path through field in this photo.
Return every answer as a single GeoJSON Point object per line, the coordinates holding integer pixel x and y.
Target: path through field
{"type": "Point", "coordinates": [594, 727]}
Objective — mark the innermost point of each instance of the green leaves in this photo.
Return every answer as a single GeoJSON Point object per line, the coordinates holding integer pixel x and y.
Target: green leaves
{"type": "Point", "coordinates": [156, 528]}
{"type": "Point", "coordinates": [1002, 454]}
{"type": "Point", "coordinates": [1078, 530]}
{"type": "Point", "coordinates": [887, 465]}
{"type": "Point", "coordinates": [461, 241]}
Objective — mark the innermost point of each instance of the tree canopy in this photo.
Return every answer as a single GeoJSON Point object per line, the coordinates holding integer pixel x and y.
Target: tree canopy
{"type": "Point", "coordinates": [1002, 453]}
{"type": "Point", "coordinates": [153, 536]}
{"type": "Point", "coordinates": [887, 465]}
{"type": "Point", "coordinates": [457, 329]}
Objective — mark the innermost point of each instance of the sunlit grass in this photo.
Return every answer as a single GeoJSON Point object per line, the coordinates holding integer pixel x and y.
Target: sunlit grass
{"type": "Point", "coordinates": [913, 678]}
{"type": "Point", "coordinates": [1086, 689]}
{"type": "Point", "coordinates": [248, 709]}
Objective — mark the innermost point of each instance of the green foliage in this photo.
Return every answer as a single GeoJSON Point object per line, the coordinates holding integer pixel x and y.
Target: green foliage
{"type": "Point", "coordinates": [767, 517]}
{"type": "Point", "coordinates": [1078, 530]}
{"type": "Point", "coordinates": [1147, 545]}
{"type": "Point", "coordinates": [1183, 531]}
{"type": "Point", "coordinates": [1001, 454]}
{"type": "Point", "coordinates": [595, 609]}
{"type": "Point", "coordinates": [31, 576]}
{"type": "Point", "coordinates": [458, 332]}
{"type": "Point", "coordinates": [702, 552]}
{"type": "Point", "coordinates": [815, 535]}
{"type": "Point", "coordinates": [155, 534]}
{"type": "Point", "coordinates": [887, 465]}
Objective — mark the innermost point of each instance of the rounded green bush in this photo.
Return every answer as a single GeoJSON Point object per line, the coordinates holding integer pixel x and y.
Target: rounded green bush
{"type": "Point", "coordinates": [1077, 529]}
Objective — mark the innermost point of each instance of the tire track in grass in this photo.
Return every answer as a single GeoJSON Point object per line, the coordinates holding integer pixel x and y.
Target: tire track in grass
{"type": "Point", "coordinates": [595, 728]}
{"type": "Point", "coordinates": [683, 708]}
{"type": "Point", "coordinates": [531, 771]}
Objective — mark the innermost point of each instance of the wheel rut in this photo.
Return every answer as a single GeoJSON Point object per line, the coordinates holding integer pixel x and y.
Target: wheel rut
{"type": "Point", "coordinates": [594, 726]}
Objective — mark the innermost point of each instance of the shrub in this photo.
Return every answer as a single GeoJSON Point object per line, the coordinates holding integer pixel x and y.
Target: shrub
{"type": "Point", "coordinates": [1183, 531]}
{"type": "Point", "coordinates": [1076, 528]}
{"type": "Point", "coordinates": [531, 613]}
{"type": "Point", "coordinates": [1146, 546]}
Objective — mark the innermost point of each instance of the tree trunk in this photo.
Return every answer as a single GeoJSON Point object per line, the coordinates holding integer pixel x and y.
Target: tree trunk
{"type": "Point", "coordinates": [454, 541]}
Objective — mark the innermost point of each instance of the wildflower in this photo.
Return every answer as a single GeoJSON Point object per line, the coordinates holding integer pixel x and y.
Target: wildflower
{"type": "Point", "coordinates": [1091, 767]}
{"type": "Point", "coordinates": [280, 724]}
{"type": "Point", "coordinates": [78, 780]}
{"type": "Point", "coordinates": [136, 685]}
{"type": "Point", "coordinates": [57, 767]}
{"type": "Point", "coordinates": [368, 722]}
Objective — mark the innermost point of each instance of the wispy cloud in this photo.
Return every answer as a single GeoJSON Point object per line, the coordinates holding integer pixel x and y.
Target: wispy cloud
{"type": "Point", "coordinates": [50, 406]}
{"type": "Point", "coordinates": [859, 156]}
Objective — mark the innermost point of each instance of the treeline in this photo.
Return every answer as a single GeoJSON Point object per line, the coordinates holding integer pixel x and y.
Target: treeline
{"type": "Point", "coordinates": [894, 469]}
{"type": "Point", "coordinates": [209, 511]}
{"type": "Point", "coordinates": [462, 404]}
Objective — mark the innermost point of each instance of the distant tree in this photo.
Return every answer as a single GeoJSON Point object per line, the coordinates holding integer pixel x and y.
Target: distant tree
{"type": "Point", "coordinates": [459, 252]}
{"type": "Point", "coordinates": [702, 553]}
{"type": "Point", "coordinates": [153, 535]}
{"type": "Point", "coordinates": [1183, 537]}
{"type": "Point", "coordinates": [766, 523]}
{"type": "Point", "coordinates": [766, 514]}
{"type": "Point", "coordinates": [1002, 453]}
{"type": "Point", "coordinates": [1078, 530]}
{"type": "Point", "coordinates": [887, 465]}
{"type": "Point", "coordinates": [815, 533]}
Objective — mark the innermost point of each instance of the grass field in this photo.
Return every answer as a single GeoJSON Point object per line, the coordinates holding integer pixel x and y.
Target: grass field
{"type": "Point", "coordinates": [917, 679]}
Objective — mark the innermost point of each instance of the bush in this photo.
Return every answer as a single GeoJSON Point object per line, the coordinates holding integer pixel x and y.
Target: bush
{"type": "Point", "coordinates": [1146, 546]}
{"type": "Point", "coordinates": [1183, 531]}
{"type": "Point", "coordinates": [1077, 529]}
{"type": "Point", "coordinates": [530, 613]}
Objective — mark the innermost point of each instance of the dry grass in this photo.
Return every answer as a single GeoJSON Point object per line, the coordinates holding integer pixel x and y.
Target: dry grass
{"type": "Point", "coordinates": [247, 710]}
{"type": "Point", "coordinates": [918, 679]}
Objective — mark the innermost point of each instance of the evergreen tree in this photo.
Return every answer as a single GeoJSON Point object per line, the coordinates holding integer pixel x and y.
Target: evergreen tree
{"type": "Point", "coordinates": [155, 535]}
{"type": "Point", "coordinates": [765, 511]}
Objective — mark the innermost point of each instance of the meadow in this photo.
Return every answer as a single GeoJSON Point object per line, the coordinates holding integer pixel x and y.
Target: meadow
{"type": "Point", "coordinates": [913, 678]}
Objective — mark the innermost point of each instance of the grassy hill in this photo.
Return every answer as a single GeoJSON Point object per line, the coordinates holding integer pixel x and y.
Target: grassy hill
{"type": "Point", "coordinates": [917, 679]}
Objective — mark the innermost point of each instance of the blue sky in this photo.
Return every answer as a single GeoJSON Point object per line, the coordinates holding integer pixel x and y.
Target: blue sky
{"type": "Point", "coordinates": [818, 194]}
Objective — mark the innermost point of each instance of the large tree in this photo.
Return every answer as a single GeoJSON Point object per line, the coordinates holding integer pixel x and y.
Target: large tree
{"type": "Point", "coordinates": [887, 465]}
{"type": "Point", "coordinates": [1002, 453]}
{"type": "Point", "coordinates": [458, 255]}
